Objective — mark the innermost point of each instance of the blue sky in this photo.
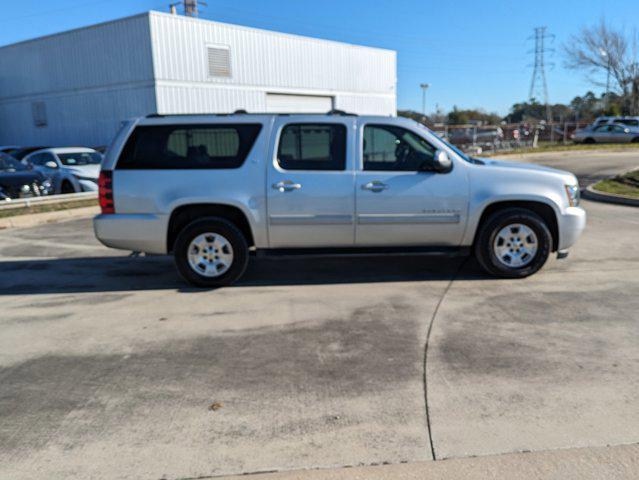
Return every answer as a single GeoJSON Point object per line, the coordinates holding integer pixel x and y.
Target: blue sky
{"type": "Point", "coordinates": [471, 52]}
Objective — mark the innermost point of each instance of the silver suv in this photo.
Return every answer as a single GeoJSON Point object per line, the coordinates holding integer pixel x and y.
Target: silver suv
{"type": "Point", "coordinates": [213, 188]}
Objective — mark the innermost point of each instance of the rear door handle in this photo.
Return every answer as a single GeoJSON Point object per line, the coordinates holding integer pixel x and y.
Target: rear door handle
{"type": "Point", "coordinates": [375, 186]}
{"type": "Point", "coordinates": [286, 186]}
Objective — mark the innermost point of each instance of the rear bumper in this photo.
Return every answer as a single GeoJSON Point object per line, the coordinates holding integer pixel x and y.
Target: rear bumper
{"type": "Point", "coordinates": [136, 232]}
{"type": "Point", "coordinates": [571, 225]}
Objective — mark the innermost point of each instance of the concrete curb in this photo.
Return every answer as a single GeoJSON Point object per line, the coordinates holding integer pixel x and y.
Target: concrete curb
{"type": "Point", "coordinates": [591, 194]}
{"type": "Point", "coordinates": [35, 219]}
{"type": "Point", "coordinates": [588, 463]}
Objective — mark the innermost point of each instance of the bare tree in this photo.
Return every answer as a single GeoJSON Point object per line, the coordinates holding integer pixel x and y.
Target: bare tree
{"type": "Point", "coordinates": [601, 50]}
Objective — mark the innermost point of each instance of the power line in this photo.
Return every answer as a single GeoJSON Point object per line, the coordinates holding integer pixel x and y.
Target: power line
{"type": "Point", "coordinates": [538, 83]}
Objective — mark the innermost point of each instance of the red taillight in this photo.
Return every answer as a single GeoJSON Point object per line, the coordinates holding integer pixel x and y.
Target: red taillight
{"type": "Point", "coordinates": [105, 191]}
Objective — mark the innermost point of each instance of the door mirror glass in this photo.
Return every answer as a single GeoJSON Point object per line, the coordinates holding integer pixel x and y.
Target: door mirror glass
{"type": "Point", "coordinates": [51, 164]}
{"type": "Point", "coordinates": [442, 162]}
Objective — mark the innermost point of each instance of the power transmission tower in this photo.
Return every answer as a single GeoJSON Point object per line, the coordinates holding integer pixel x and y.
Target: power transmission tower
{"type": "Point", "coordinates": [538, 84]}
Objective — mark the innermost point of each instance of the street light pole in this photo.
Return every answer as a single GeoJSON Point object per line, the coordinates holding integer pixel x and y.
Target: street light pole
{"type": "Point", "coordinates": [424, 87]}
{"type": "Point", "coordinates": [605, 54]}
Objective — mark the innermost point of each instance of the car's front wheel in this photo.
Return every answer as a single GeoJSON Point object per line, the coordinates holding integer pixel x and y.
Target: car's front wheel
{"type": "Point", "coordinates": [513, 243]}
{"type": "Point", "coordinates": [211, 252]}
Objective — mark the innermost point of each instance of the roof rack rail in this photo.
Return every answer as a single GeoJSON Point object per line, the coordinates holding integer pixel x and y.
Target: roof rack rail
{"type": "Point", "coordinates": [201, 114]}
{"type": "Point", "coordinates": [241, 111]}
{"type": "Point", "coordinates": [341, 113]}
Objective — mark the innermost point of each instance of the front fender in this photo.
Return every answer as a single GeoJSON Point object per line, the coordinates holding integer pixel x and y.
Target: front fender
{"type": "Point", "coordinates": [479, 205]}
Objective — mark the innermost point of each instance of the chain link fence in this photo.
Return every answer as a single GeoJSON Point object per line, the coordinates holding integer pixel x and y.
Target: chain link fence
{"type": "Point", "coordinates": [508, 137]}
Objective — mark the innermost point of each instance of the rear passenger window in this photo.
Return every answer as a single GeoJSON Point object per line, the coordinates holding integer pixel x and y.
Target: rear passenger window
{"type": "Point", "coordinates": [188, 147]}
{"type": "Point", "coordinates": [312, 147]}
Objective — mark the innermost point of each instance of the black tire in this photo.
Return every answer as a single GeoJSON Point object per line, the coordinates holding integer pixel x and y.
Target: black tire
{"type": "Point", "coordinates": [488, 232]}
{"type": "Point", "coordinates": [214, 225]}
{"type": "Point", "coordinates": [635, 140]}
{"type": "Point", "coordinates": [589, 140]}
{"type": "Point", "coordinates": [66, 188]}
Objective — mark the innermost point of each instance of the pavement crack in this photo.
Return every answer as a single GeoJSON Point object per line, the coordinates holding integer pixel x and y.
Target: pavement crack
{"type": "Point", "coordinates": [426, 344]}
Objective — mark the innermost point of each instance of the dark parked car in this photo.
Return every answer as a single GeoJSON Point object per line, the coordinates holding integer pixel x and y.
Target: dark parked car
{"type": "Point", "coordinates": [20, 181]}
{"type": "Point", "coordinates": [22, 152]}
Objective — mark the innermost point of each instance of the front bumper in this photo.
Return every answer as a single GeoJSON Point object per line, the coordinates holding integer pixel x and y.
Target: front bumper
{"type": "Point", "coordinates": [571, 225]}
{"type": "Point", "coordinates": [136, 232]}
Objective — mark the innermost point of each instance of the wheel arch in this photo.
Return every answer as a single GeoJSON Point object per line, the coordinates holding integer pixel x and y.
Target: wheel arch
{"type": "Point", "coordinates": [544, 210]}
{"type": "Point", "coordinates": [182, 215]}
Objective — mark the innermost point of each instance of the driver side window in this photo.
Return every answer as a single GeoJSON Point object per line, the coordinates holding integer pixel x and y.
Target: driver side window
{"type": "Point", "coordinates": [391, 148]}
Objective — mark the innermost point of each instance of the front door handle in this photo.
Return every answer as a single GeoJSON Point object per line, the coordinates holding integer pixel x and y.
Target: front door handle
{"type": "Point", "coordinates": [286, 186]}
{"type": "Point", "coordinates": [375, 186]}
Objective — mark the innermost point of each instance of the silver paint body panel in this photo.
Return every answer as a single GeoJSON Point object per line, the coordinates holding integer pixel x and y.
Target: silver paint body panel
{"type": "Point", "coordinates": [328, 208]}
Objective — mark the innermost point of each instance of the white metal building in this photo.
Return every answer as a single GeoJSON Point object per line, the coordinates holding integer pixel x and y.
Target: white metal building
{"type": "Point", "coordinates": [76, 87]}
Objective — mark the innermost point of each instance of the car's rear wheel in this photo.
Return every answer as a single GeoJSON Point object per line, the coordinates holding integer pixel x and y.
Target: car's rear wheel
{"type": "Point", "coordinates": [513, 243]}
{"type": "Point", "coordinates": [211, 252]}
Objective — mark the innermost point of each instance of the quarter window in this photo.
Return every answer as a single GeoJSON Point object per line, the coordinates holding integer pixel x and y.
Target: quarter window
{"type": "Point", "coordinates": [188, 146]}
{"type": "Point", "coordinates": [391, 148]}
{"type": "Point", "coordinates": [312, 147]}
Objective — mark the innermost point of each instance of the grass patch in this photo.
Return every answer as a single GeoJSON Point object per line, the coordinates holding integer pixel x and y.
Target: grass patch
{"type": "Point", "coordinates": [53, 207]}
{"type": "Point", "coordinates": [554, 147]}
{"type": "Point", "coordinates": [627, 185]}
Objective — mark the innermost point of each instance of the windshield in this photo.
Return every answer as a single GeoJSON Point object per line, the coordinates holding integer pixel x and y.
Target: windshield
{"type": "Point", "coordinates": [449, 145]}
{"type": "Point", "coordinates": [10, 164]}
{"type": "Point", "coordinates": [81, 158]}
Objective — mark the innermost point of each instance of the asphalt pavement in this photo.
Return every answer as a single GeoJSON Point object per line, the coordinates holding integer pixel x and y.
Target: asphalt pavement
{"type": "Point", "coordinates": [112, 367]}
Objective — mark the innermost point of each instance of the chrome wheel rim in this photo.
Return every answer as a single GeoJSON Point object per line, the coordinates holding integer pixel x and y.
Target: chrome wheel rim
{"type": "Point", "coordinates": [515, 245]}
{"type": "Point", "coordinates": [210, 254]}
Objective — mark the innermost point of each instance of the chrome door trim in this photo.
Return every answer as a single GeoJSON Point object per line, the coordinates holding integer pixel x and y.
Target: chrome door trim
{"type": "Point", "coordinates": [407, 218]}
{"type": "Point", "coordinates": [310, 219]}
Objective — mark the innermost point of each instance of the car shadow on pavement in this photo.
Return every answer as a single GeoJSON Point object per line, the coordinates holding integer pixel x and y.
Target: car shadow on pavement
{"type": "Point", "coordinates": [108, 274]}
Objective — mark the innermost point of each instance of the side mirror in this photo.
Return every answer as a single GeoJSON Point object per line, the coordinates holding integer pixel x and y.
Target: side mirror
{"type": "Point", "coordinates": [442, 162]}
{"type": "Point", "coordinates": [51, 164]}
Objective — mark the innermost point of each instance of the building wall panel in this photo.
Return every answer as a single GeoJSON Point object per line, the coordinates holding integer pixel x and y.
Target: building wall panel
{"type": "Point", "coordinates": [266, 60]}
{"type": "Point", "coordinates": [91, 79]}
{"type": "Point", "coordinates": [110, 54]}
{"type": "Point", "coordinates": [89, 118]}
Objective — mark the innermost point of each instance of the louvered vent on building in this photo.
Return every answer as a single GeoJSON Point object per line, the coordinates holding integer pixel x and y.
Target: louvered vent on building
{"type": "Point", "coordinates": [219, 62]}
{"type": "Point", "coordinates": [39, 110]}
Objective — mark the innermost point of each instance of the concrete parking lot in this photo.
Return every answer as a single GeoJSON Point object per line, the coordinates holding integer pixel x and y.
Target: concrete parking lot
{"type": "Point", "coordinates": [112, 367]}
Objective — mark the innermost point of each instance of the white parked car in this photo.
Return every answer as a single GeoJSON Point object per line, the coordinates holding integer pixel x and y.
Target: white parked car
{"type": "Point", "coordinates": [77, 168]}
